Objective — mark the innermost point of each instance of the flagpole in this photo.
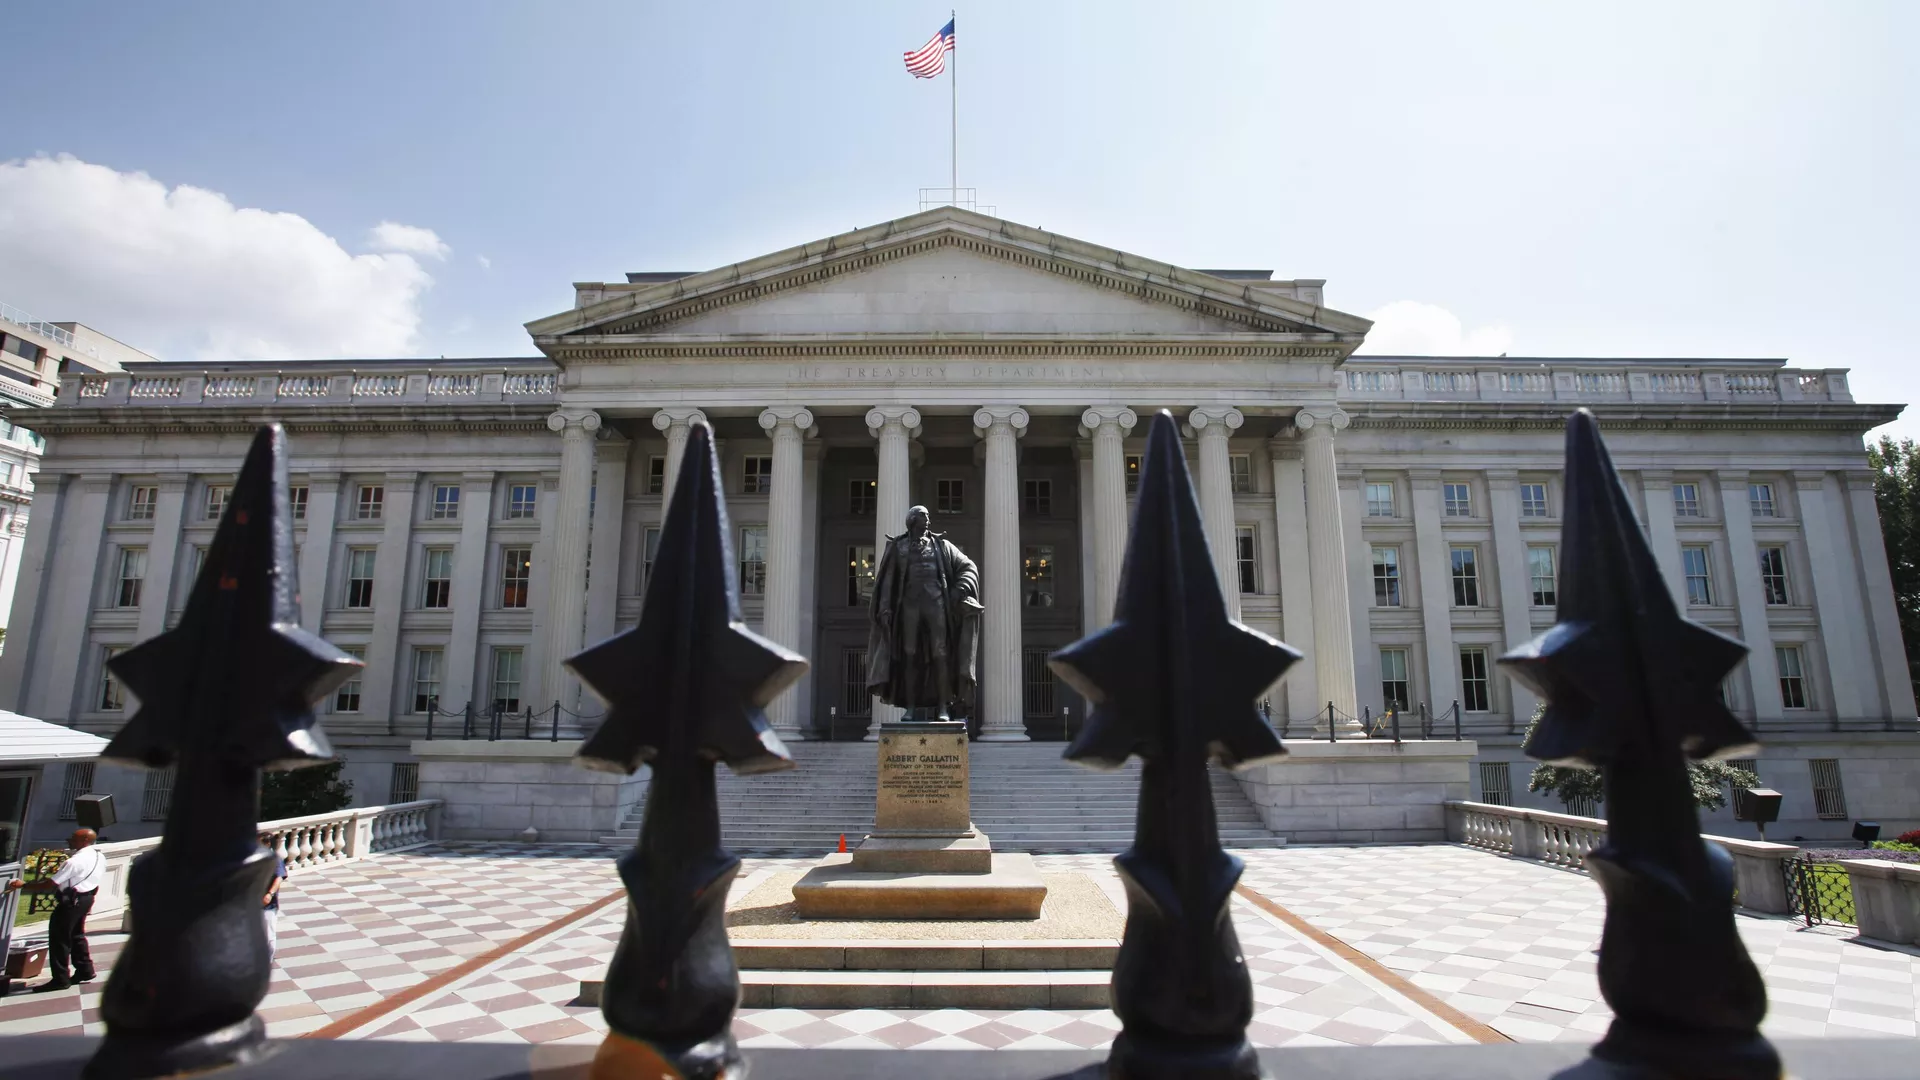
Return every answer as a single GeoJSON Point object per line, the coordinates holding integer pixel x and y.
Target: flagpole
{"type": "Point", "coordinates": [953, 120]}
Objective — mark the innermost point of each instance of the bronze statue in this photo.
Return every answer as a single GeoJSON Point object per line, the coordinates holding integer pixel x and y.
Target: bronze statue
{"type": "Point", "coordinates": [924, 622]}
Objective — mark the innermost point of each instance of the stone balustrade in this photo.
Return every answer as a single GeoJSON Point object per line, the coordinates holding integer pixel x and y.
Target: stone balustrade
{"type": "Point", "coordinates": [305, 842]}
{"type": "Point", "coordinates": [1564, 840]}
{"type": "Point", "coordinates": [308, 384]}
{"type": "Point", "coordinates": [1886, 899]}
{"type": "Point", "coordinates": [1519, 380]}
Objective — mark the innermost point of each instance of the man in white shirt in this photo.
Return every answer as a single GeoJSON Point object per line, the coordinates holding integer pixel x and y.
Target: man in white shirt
{"type": "Point", "coordinates": [74, 884]}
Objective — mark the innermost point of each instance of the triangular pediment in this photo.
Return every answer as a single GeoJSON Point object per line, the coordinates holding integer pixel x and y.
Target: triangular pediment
{"type": "Point", "coordinates": [940, 273]}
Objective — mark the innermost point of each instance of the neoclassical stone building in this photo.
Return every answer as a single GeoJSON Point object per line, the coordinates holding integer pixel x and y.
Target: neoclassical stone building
{"type": "Point", "coordinates": [468, 524]}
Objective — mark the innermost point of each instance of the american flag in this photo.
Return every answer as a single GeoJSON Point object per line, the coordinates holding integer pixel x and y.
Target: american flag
{"type": "Point", "coordinates": [931, 59]}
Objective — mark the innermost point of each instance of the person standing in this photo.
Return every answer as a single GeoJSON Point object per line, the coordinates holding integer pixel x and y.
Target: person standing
{"type": "Point", "coordinates": [74, 886]}
{"type": "Point", "coordinates": [270, 904]}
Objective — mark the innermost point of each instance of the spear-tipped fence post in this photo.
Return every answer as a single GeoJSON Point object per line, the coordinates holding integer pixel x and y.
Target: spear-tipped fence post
{"type": "Point", "coordinates": [1456, 719]}
{"type": "Point", "coordinates": [1366, 720]}
{"type": "Point", "coordinates": [1394, 712]}
{"type": "Point", "coordinates": [526, 724]}
{"type": "Point", "coordinates": [1330, 735]}
{"type": "Point", "coordinates": [556, 720]}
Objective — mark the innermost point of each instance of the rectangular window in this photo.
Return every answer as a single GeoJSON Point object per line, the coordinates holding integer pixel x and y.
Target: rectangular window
{"type": "Point", "coordinates": [1240, 473]}
{"type": "Point", "coordinates": [1133, 473]}
{"type": "Point", "coordinates": [1829, 798]}
{"type": "Point", "coordinates": [1380, 500]}
{"type": "Point", "coordinates": [756, 475]}
{"type": "Point", "coordinates": [297, 500]}
{"type": "Point", "coordinates": [77, 781]}
{"type": "Point", "coordinates": [1394, 686]}
{"type": "Point", "coordinates": [1036, 498]}
{"type": "Point", "coordinates": [157, 796]}
{"type": "Point", "coordinates": [1761, 497]}
{"type": "Point", "coordinates": [516, 570]}
{"type": "Point", "coordinates": [1793, 679]}
{"type": "Point", "coordinates": [370, 502]}
{"type": "Point", "coordinates": [1386, 577]}
{"type": "Point", "coordinates": [1036, 682]}
{"type": "Point", "coordinates": [1693, 563]}
{"type": "Point", "coordinates": [656, 476]}
{"type": "Point", "coordinates": [426, 679]}
{"type": "Point", "coordinates": [1546, 591]}
{"type": "Point", "coordinates": [1245, 556]}
{"type": "Point", "coordinates": [140, 502]}
{"type": "Point", "coordinates": [753, 560]}
{"type": "Point", "coordinates": [1496, 783]}
{"type": "Point", "coordinates": [438, 590]}
{"type": "Point", "coordinates": [854, 699]}
{"type": "Point", "coordinates": [113, 696]}
{"type": "Point", "coordinates": [1686, 500]}
{"type": "Point", "coordinates": [1458, 499]}
{"type": "Point", "coordinates": [197, 558]}
{"type": "Point", "coordinates": [652, 542]}
{"type": "Point", "coordinates": [861, 497]}
{"type": "Point", "coordinates": [1533, 500]}
{"type": "Point", "coordinates": [360, 577]}
{"type": "Point", "coordinates": [347, 698]}
{"type": "Point", "coordinates": [1475, 691]}
{"type": "Point", "coordinates": [506, 678]}
{"type": "Point", "coordinates": [859, 575]}
{"type": "Point", "coordinates": [520, 502]}
{"type": "Point", "coordinates": [1466, 576]}
{"type": "Point", "coordinates": [446, 502]}
{"type": "Point", "coordinates": [404, 787]}
{"type": "Point", "coordinates": [949, 496]}
{"type": "Point", "coordinates": [217, 495]}
{"type": "Point", "coordinates": [133, 574]}
{"type": "Point", "coordinates": [1773, 575]}
{"type": "Point", "coordinates": [1036, 570]}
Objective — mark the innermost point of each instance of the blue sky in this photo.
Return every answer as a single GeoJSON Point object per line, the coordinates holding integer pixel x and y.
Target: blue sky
{"type": "Point", "coordinates": [1703, 179]}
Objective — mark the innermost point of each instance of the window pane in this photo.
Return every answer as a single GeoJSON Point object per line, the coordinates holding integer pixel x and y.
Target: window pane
{"type": "Point", "coordinates": [1459, 500]}
{"type": "Point", "coordinates": [1036, 498]}
{"type": "Point", "coordinates": [1761, 496]}
{"type": "Point", "coordinates": [656, 475]}
{"type": "Point", "coordinates": [1133, 473]}
{"type": "Point", "coordinates": [347, 698]}
{"type": "Point", "coordinates": [133, 574]}
{"type": "Point", "coordinates": [1379, 500]}
{"type": "Point", "coordinates": [1693, 561]}
{"type": "Point", "coordinates": [859, 575]}
{"type": "Point", "coordinates": [140, 503]}
{"type": "Point", "coordinates": [439, 578]}
{"type": "Point", "coordinates": [861, 497]}
{"type": "Point", "coordinates": [1686, 500]}
{"type": "Point", "coordinates": [1540, 570]}
{"type": "Point", "coordinates": [652, 542]}
{"type": "Point", "coordinates": [949, 496]}
{"type": "Point", "coordinates": [1394, 693]}
{"type": "Point", "coordinates": [1793, 683]}
{"type": "Point", "coordinates": [1466, 577]}
{"type": "Point", "coordinates": [506, 679]}
{"type": "Point", "coordinates": [217, 501]}
{"type": "Point", "coordinates": [1240, 472]}
{"type": "Point", "coordinates": [426, 680]}
{"type": "Point", "coordinates": [113, 697]}
{"type": "Point", "coordinates": [1474, 689]}
{"type": "Point", "coordinates": [1245, 557]}
{"type": "Point", "coordinates": [753, 560]}
{"type": "Point", "coordinates": [360, 578]}
{"type": "Point", "coordinates": [370, 503]}
{"type": "Point", "coordinates": [297, 499]}
{"type": "Point", "coordinates": [1037, 572]}
{"type": "Point", "coordinates": [1386, 577]}
{"type": "Point", "coordinates": [1773, 575]}
{"type": "Point", "coordinates": [516, 569]}
{"type": "Point", "coordinates": [1533, 500]}
{"type": "Point", "coordinates": [520, 500]}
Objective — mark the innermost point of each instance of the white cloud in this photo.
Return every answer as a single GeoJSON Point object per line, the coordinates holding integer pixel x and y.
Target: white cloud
{"type": "Point", "coordinates": [183, 273]}
{"type": "Point", "coordinates": [1412, 328]}
{"type": "Point", "coordinates": [485, 263]}
{"type": "Point", "coordinates": [410, 239]}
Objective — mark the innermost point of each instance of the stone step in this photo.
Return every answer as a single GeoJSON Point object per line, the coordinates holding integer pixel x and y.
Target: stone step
{"type": "Point", "coordinates": [870, 955]}
{"type": "Point", "coordinates": [913, 990]}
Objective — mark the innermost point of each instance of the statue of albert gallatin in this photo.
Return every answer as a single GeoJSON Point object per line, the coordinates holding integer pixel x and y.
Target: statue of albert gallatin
{"type": "Point", "coordinates": [924, 622]}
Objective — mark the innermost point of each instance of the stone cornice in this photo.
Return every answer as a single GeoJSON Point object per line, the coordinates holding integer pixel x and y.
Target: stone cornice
{"type": "Point", "coordinates": [913, 347]}
{"type": "Point", "coordinates": [1689, 416]}
{"type": "Point", "coordinates": [120, 423]}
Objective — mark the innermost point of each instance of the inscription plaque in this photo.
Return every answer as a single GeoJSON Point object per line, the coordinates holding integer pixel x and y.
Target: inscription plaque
{"type": "Point", "coordinates": [923, 780]}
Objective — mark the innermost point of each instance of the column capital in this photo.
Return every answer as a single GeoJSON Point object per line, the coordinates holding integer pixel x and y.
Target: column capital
{"type": "Point", "coordinates": [1656, 478]}
{"type": "Point", "coordinates": [1223, 420]}
{"type": "Point", "coordinates": [1331, 419]}
{"type": "Point", "coordinates": [1100, 416]}
{"type": "Point", "coordinates": [797, 417]}
{"type": "Point", "coordinates": [667, 419]}
{"type": "Point", "coordinates": [585, 420]}
{"type": "Point", "coordinates": [904, 417]}
{"type": "Point", "coordinates": [988, 417]}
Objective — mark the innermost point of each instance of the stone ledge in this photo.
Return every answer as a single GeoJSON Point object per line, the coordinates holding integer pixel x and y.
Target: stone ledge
{"type": "Point", "coordinates": [542, 750]}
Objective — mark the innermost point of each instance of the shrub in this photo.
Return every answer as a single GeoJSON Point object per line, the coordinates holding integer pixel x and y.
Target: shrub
{"type": "Point", "coordinates": [1574, 784]}
{"type": "Point", "coordinates": [314, 790]}
{"type": "Point", "coordinates": [1912, 836]}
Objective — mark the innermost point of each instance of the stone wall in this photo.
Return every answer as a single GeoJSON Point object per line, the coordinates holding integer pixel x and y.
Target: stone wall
{"type": "Point", "coordinates": [1357, 792]}
{"type": "Point", "coordinates": [498, 790]}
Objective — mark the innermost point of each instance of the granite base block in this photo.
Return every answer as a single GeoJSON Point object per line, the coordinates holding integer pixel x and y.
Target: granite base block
{"type": "Point", "coordinates": [834, 889]}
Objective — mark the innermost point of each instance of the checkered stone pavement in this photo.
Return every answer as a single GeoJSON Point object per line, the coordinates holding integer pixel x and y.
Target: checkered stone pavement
{"type": "Point", "coordinates": [1510, 942]}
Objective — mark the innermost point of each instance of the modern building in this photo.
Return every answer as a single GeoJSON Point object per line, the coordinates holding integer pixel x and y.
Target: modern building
{"type": "Point", "coordinates": [34, 354]}
{"type": "Point", "coordinates": [465, 525]}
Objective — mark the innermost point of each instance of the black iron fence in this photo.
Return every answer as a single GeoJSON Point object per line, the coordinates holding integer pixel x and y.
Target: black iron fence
{"type": "Point", "coordinates": [1334, 724]}
{"type": "Point", "coordinates": [1820, 893]}
{"type": "Point", "coordinates": [494, 722]}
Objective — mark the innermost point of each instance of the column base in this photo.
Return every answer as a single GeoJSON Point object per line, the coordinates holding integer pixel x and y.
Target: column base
{"type": "Point", "coordinates": [1003, 736]}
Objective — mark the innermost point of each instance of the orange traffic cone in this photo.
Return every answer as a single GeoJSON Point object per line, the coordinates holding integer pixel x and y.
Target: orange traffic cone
{"type": "Point", "coordinates": [843, 843]}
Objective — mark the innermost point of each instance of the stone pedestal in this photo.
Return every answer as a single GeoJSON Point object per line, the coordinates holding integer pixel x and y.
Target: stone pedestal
{"type": "Point", "coordinates": [924, 859]}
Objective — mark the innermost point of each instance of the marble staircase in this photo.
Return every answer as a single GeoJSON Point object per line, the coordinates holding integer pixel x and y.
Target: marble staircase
{"type": "Point", "coordinates": [1024, 797]}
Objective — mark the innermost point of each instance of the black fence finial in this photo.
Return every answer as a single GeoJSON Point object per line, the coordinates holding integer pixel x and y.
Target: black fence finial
{"type": "Point", "coordinates": [226, 693]}
{"type": "Point", "coordinates": [685, 688]}
{"type": "Point", "coordinates": [1632, 687]}
{"type": "Point", "coordinates": [1175, 680]}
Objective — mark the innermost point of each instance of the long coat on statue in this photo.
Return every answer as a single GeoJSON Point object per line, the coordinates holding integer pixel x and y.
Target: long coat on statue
{"type": "Point", "coordinates": [890, 675]}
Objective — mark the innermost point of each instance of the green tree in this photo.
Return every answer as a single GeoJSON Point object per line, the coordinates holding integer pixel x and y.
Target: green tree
{"type": "Point", "coordinates": [1575, 784]}
{"type": "Point", "coordinates": [314, 790]}
{"type": "Point", "coordinates": [1896, 489]}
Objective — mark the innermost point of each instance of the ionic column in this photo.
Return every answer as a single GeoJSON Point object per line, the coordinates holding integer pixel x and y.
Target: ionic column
{"type": "Point", "coordinates": [1749, 595]}
{"type": "Point", "coordinates": [1296, 573]}
{"type": "Point", "coordinates": [1108, 426]}
{"type": "Point", "coordinates": [892, 425]}
{"type": "Point", "coordinates": [674, 423]}
{"type": "Point", "coordinates": [789, 427]}
{"type": "Point", "coordinates": [1327, 555]}
{"type": "Point", "coordinates": [566, 595]}
{"type": "Point", "coordinates": [609, 501]}
{"type": "Point", "coordinates": [1002, 704]}
{"type": "Point", "coordinates": [1213, 426]}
